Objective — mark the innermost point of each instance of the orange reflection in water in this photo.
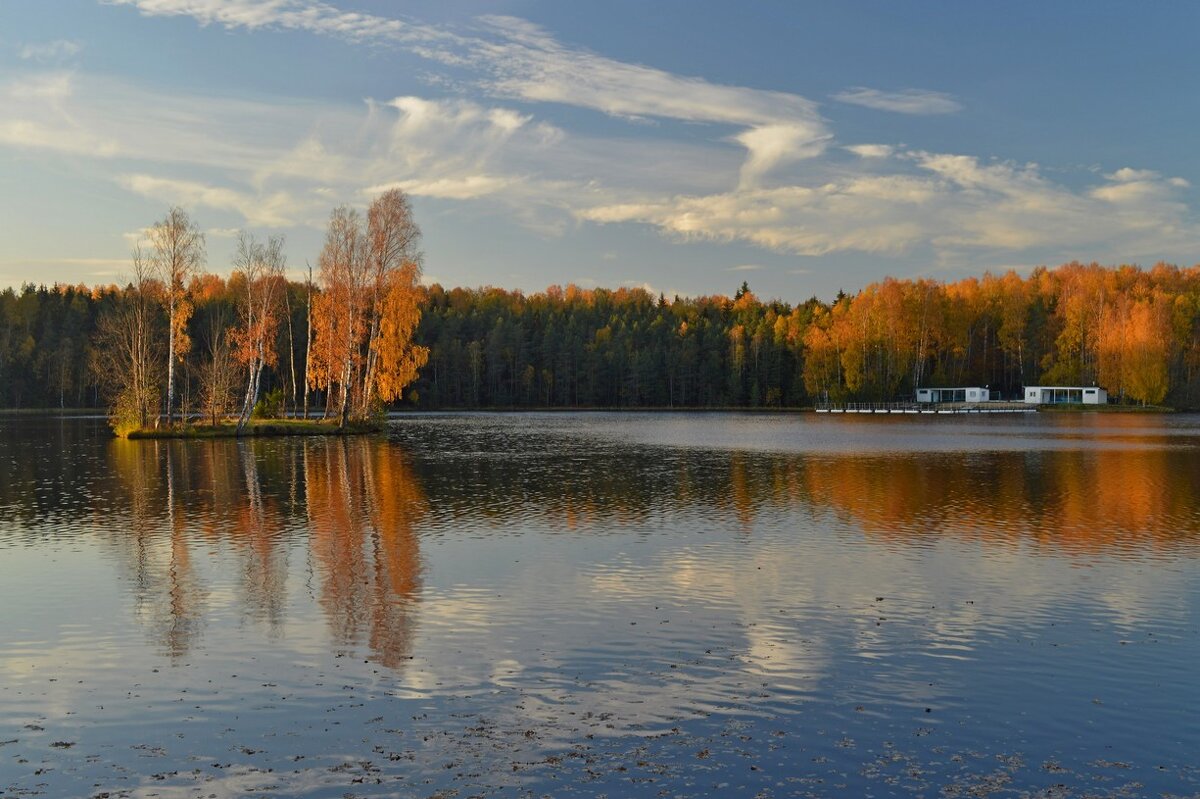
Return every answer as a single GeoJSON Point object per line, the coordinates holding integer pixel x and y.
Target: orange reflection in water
{"type": "Point", "coordinates": [354, 501]}
{"type": "Point", "coordinates": [362, 502]}
{"type": "Point", "coordinates": [1084, 502]}
{"type": "Point", "coordinates": [169, 596]}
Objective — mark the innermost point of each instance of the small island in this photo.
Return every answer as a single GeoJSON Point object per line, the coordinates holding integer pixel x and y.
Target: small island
{"type": "Point", "coordinates": [359, 321]}
{"type": "Point", "coordinates": [262, 427]}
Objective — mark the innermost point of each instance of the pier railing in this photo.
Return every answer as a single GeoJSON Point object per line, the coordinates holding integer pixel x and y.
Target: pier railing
{"type": "Point", "coordinates": [924, 407]}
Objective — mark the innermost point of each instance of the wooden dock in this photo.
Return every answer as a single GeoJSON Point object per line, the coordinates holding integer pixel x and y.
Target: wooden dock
{"type": "Point", "coordinates": [926, 407]}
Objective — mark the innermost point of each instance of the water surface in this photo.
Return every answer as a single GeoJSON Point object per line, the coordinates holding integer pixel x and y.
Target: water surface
{"type": "Point", "coordinates": [620, 604]}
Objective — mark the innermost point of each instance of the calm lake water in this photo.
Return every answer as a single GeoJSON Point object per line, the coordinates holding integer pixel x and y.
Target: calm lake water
{"type": "Point", "coordinates": [605, 604]}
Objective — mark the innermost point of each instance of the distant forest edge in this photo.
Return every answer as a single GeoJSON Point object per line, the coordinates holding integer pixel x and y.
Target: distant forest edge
{"type": "Point", "coordinates": [1134, 331]}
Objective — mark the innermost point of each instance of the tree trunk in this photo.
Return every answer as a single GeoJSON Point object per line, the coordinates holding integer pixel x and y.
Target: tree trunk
{"type": "Point", "coordinates": [291, 345]}
{"type": "Point", "coordinates": [170, 359]}
{"type": "Point", "coordinates": [343, 412]}
{"type": "Point", "coordinates": [369, 370]}
{"type": "Point", "coordinates": [247, 402]}
{"type": "Point", "coordinates": [308, 343]}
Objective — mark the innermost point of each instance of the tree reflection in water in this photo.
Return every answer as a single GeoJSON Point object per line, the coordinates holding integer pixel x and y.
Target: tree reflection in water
{"type": "Point", "coordinates": [353, 502]}
{"type": "Point", "coordinates": [362, 503]}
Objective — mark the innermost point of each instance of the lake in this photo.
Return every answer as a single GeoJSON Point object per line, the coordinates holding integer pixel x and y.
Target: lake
{"type": "Point", "coordinates": [605, 604]}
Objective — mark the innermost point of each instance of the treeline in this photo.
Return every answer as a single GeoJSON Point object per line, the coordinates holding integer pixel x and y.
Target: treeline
{"type": "Point", "coordinates": [571, 347]}
{"type": "Point", "coordinates": [49, 354]}
{"type": "Point", "coordinates": [1134, 331]}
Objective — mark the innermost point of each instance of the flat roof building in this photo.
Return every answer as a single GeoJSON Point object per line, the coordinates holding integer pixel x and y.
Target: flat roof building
{"type": "Point", "coordinates": [966, 394]}
{"type": "Point", "coordinates": [1058, 395]}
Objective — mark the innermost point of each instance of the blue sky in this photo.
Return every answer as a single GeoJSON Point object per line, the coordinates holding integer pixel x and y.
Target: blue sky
{"type": "Point", "coordinates": [685, 146]}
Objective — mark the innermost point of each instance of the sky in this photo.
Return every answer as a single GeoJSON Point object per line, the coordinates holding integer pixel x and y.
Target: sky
{"type": "Point", "coordinates": [684, 146]}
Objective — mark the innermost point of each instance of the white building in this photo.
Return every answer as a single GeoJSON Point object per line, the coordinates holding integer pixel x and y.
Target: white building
{"type": "Point", "coordinates": [1054, 395]}
{"type": "Point", "coordinates": [968, 394]}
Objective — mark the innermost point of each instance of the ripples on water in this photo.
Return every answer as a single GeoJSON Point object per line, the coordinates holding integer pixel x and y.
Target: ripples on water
{"type": "Point", "coordinates": [675, 604]}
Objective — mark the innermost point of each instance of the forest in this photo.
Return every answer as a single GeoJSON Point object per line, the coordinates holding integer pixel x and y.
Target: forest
{"type": "Point", "coordinates": [396, 343]}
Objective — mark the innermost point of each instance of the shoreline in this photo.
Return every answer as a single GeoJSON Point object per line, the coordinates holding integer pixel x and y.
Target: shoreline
{"type": "Point", "coordinates": [54, 411]}
{"type": "Point", "coordinates": [1078, 408]}
{"type": "Point", "coordinates": [398, 414]}
{"type": "Point", "coordinates": [206, 430]}
{"type": "Point", "coordinates": [272, 428]}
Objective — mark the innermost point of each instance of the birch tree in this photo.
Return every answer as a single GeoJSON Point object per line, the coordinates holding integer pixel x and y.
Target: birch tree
{"type": "Point", "coordinates": [177, 253]}
{"type": "Point", "coordinates": [128, 352]}
{"type": "Point", "coordinates": [338, 310]}
{"type": "Point", "coordinates": [262, 267]}
{"type": "Point", "coordinates": [308, 324]}
{"type": "Point", "coordinates": [369, 306]}
{"type": "Point", "coordinates": [393, 272]}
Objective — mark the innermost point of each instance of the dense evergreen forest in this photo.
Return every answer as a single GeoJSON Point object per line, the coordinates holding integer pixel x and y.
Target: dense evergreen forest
{"type": "Point", "coordinates": [1134, 331]}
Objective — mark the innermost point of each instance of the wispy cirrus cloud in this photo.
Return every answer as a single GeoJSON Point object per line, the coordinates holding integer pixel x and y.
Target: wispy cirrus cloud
{"type": "Point", "coordinates": [905, 101]}
{"type": "Point", "coordinates": [277, 209]}
{"type": "Point", "coordinates": [514, 59]}
{"type": "Point", "coordinates": [952, 203]}
{"type": "Point", "coordinates": [870, 150]}
{"type": "Point", "coordinates": [56, 50]}
{"type": "Point", "coordinates": [269, 162]}
{"type": "Point", "coordinates": [34, 115]}
{"type": "Point", "coordinates": [524, 61]}
{"type": "Point", "coordinates": [469, 187]}
{"type": "Point", "coordinates": [298, 15]}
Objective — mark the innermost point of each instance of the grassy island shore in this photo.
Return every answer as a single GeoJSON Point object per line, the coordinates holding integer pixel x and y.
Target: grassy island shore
{"type": "Point", "coordinates": [259, 428]}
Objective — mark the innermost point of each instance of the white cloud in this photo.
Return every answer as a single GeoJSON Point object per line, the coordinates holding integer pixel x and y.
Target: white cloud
{"type": "Point", "coordinates": [49, 126]}
{"type": "Point", "coordinates": [870, 150]}
{"type": "Point", "coordinates": [278, 209]}
{"type": "Point", "coordinates": [1131, 191]}
{"type": "Point", "coordinates": [952, 202]}
{"type": "Point", "coordinates": [468, 187]}
{"type": "Point", "coordinates": [908, 101]}
{"type": "Point", "coordinates": [277, 163]}
{"type": "Point", "coordinates": [44, 86]}
{"type": "Point", "coordinates": [518, 60]}
{"type": "Point", "coordinates": [772, 145]}
{"type": "Point", "coordinates": [521, 59]}
{"type": "Point", "coordinates": [798, 219]}
{"type": "Point", "coordinates": [448, 149]}
{"type": "Point", "coordinates": [641, 284]}
{"type": "Point", "coordinates": [29, 134]}
{"type": "Point", "coordinates": [1128, 174]}
{"type": "Point", "coordinates": [89, 115]}
{"type": "Point", "coordinates": [57, 50]}
{"type": "Point", "coordinates": [528, 64]}
{"type": "Point", "coordinates": [137, 238]}
{"type": "Point", "coordinates": [90, 261]}
{"type": "Point", "coordinates": [746, 268]}
{"type": "Point", "coordinates": [303, 15]}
